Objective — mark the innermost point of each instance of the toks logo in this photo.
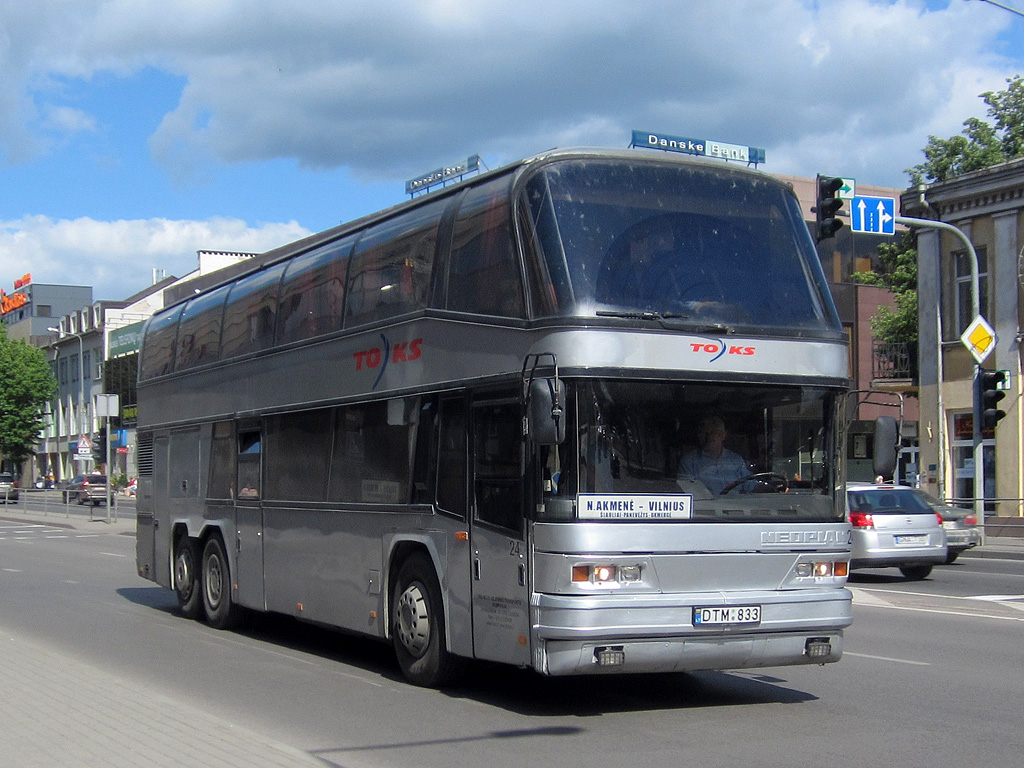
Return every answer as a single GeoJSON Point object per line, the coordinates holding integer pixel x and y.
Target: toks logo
{"type": "Point", "coordinates": [719, 348]}
{"type": "Point", "coordinates": [382, 356]}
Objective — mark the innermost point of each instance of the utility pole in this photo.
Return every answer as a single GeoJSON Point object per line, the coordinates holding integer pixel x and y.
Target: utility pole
{"type": "Point", "coordinates": [979, 468]}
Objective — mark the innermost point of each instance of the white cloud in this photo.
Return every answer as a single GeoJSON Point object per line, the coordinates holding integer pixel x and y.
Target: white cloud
{"type": "Point", "coordinates": [117, 257]}
{"type": "Point", "coordinates": [387, 89]}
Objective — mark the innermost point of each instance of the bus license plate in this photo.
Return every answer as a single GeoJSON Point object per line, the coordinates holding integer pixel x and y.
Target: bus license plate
{"type": "Point", "coordinates": [735, 614]}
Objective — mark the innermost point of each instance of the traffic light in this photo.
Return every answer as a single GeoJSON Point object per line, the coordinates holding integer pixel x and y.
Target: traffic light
{"type": "Point", "coordinates": [826, 208]}
{"type": "Point", "coordinates": [989, 392]}
{"type": "Point", "coordinates": [99, 447]}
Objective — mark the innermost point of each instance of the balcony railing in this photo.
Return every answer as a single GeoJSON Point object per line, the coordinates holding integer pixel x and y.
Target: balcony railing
{"type": "Point", "coordinates": [894, 364]}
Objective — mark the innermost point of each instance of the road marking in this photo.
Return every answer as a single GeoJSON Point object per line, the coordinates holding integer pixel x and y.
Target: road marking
{"type": "Point", "coordinates": [862, 598]}
{"type": "Point", "coordinates": [994, 598]}
{"type": "Point", "coordinates": [888, 658]}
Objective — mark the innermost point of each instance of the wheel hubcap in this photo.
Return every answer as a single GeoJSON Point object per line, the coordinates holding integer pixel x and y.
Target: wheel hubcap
{"type": "Point", "coordinates": [183, 573]}
{"type": "Point", "coordinates": [413, 625]}
{"type": "Point", "coordinates": [214, 576]}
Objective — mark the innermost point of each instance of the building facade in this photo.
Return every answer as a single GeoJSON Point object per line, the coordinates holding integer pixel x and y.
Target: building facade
{"type": "Point", "coordinates": [988, 207]}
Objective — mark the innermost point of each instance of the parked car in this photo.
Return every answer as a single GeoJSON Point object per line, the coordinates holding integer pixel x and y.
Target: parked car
{"type": "Point", "coordinates": [893, 526]}
{"type": "Point", "coordinates": [8, 487]}
{"type": "Point", "coordinates": [961, 525]}
{"type": "Point", "coordinates": [87, 489]}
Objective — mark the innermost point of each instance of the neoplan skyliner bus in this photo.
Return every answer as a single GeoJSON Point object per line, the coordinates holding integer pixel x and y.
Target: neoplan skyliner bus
{"type": "Point", "coordinates": [476, 425]}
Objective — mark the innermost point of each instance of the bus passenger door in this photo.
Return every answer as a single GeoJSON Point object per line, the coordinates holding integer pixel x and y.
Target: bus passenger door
{"type": "Point", "coordinates": [500, 572]}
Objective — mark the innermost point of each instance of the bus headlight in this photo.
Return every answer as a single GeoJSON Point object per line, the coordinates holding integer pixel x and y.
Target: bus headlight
{"type": "Point", "coordinates": [823, 569]}
{"type": "Point", "coordinates": [606, 575]}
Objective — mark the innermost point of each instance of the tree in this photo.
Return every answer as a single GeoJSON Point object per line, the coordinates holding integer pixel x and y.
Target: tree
{"type": "Point", "coordinates": [897, 272]}
{"type": "Point", "coordinates": [980, 144]}
{"type": "Point", "coordinates": [26, 384]}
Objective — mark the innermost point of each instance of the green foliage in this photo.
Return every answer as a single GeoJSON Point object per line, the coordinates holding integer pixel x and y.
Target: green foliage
{"type": "Point", "coordinates": [897, 272]}
{"type": "Point", "coordinates": [26, 384]}
{"type": "Point", "coordinates": [980, 144]}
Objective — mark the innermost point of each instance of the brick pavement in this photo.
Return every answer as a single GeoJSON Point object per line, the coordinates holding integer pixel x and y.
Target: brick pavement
{"type": "Point", "coordinates": [56, 710]}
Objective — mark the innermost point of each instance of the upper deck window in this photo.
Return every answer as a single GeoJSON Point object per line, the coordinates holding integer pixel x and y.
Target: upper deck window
{"type": "Point", "coordinates": [159, 345]}
{"type": "Point", "coordinates": [251, 313]}
{"type": "Point", "coordinates": [313, 292]}
{"type": "Point", "coordinates": [199, 330]}
{"type": "Point", "coordinates": [390, 270]}
{"type": "Point", "coordinates": [688, 241]}
{"type": "Point", "coordinates": [483, 272]}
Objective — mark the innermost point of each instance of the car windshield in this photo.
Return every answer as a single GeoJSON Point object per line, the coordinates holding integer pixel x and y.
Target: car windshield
{"type": "Point", "coordinates": [875, 500]}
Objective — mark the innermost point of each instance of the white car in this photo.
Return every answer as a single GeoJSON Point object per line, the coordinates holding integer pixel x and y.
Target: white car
{"type": "Point", "coordinates": [893, 526]}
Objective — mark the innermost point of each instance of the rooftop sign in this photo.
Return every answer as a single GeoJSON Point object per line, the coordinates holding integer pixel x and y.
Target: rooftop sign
{"type": "Point", "coordinates": [442, 175]}
{"type": "Point", "coordinates": [702, 147]}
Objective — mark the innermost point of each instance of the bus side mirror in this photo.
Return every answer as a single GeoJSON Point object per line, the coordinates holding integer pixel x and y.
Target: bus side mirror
{"type": "Point", "coordinates": [886, 447]}
{"type": "Point", "coordinates": [546, 411]}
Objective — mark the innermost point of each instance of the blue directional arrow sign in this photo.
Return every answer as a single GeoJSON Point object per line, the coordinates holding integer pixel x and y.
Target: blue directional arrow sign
{"type": "Point", "coordinates": [875, 215]}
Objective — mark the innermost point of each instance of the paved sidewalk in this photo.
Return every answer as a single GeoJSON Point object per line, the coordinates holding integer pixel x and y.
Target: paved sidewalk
{"type": "Point", "coordinates": [58, 711]}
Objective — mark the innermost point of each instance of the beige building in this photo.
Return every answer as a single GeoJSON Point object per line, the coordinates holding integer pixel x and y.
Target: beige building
{"type": "Point", "coordinates": [988, 206]}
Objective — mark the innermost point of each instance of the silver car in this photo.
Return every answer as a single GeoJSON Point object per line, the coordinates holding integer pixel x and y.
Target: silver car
{"type": "Point", "coordinates": [8, 487]}
{"type": "Point", "coordinates": [961, 526]}
{"type": "Point", "coordinates": [893, 526]}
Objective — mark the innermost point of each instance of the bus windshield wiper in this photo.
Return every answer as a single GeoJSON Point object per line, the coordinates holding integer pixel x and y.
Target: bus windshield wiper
{"type": "Point", "coordinates": [665, 320]}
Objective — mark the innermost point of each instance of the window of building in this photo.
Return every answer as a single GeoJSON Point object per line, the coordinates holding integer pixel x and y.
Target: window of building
{"type": "Point", "coordinates": [962, 274]}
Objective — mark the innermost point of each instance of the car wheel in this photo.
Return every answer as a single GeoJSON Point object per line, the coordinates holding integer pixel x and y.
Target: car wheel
{"type": "Point", "coordinates": [187, 584]}
{"type": "Point", "coordinates": [417, 626]}
{"type": "Point", "coordinates": [915, 572]}
{"type": "Point", "coordinates": [216, 586]}
{"type": "Point", "coordinates": [951, 557]}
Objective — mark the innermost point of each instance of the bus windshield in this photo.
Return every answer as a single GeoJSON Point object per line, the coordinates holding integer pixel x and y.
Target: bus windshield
{"type": "Point", "coordinates": [741, 452]}
{"type": "Point", "coordinates": [688, 243]}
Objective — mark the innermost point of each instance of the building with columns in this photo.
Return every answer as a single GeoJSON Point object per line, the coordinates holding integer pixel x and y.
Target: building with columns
{"type": "Point", "coordinates": [988, 207]}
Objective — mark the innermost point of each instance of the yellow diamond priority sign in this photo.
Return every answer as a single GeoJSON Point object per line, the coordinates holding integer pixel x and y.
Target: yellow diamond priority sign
{"type": "Point", "coordinates": [979, 338]}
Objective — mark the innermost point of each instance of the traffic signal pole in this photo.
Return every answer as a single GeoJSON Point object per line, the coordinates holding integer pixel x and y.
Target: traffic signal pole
{"type": "Point", "coordinates": [979, 467]}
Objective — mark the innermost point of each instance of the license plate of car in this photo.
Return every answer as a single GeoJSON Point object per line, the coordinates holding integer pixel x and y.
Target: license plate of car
{"type": "Point", "coordinates": [733, 614]}
{"type": "Point", "coordinates": [918, 538]}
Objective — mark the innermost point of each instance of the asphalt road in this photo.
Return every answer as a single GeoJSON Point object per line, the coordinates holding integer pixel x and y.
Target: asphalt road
{"type": "Point", "coordinates": [932, 676]}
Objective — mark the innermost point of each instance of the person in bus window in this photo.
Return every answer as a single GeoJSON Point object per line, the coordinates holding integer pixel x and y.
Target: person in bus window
{"type": "Point", "coordinates": [652, 268]}
{"type": "Point", "coordinates": [712, 463]}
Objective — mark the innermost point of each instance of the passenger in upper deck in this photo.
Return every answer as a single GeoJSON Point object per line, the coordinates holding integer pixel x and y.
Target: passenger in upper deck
{"type": "Point", "coordinates": [712, 463]}
{"type": "Point", "coordinates": [651, 266]}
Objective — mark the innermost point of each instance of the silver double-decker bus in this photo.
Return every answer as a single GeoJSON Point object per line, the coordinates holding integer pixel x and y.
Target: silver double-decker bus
{"type": "Point", "coordinates": [582, 414]}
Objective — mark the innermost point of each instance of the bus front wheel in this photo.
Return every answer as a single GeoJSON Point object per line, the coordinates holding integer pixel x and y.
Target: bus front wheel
{"type": "Point", "coordinates": [417, 630]}
{"type": "Point", "coordinates": [187, 584]}
{"type": "Point", "coordinates": [216, 586]}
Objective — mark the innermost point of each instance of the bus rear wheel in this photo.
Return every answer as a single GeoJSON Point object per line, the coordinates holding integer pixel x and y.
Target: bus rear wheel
{"type": "Point", "coordinates": [216, 586]}
{"type": "Point", "coordinates": [187, 584]}
{"type": "Point", "coordinates": [417, 630]}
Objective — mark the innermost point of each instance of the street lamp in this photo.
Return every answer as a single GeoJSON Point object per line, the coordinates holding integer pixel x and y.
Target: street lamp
{"type": "Point", "coordinates": [81, 375]}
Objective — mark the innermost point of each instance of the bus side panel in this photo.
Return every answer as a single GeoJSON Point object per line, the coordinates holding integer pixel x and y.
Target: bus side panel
{"type": "Point", "coordinates": [145, 530]}
{"type": "Point", "coordinates": [325, 565]}
{"type": "Point", "coordinates": [161, 513]}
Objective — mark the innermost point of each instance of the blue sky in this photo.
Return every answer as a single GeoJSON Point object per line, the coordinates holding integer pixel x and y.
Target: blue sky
{"type": "Point", "coordinates": [135, 132]}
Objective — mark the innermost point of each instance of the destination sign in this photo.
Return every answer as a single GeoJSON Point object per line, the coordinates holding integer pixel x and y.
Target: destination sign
{"type": "Point", "coordinates": [630, 506]}
{"type": "Point", "coordinates": [702, 147]}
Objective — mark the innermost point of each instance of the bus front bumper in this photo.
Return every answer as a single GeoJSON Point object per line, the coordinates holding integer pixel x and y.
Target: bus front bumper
{"type": "Point", "coordinates": [584, 635]}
